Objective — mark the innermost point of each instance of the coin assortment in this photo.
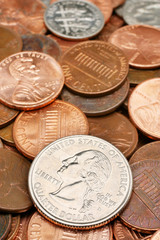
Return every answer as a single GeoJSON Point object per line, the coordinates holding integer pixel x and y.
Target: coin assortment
{"type": "Point", "coordinates": [80, 120]}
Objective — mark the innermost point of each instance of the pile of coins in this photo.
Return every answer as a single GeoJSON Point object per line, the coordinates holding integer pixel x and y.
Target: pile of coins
{"type": "Point", "coordinates": [80, 120]}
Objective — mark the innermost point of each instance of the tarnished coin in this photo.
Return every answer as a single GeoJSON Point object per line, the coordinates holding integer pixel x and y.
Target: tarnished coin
{"type": "Point", "coordinates": [94, 68]}
{"type": "Point", "coordinates": [74, 19]}
{"type": "Point", "coordinates": [5, 225]}
{"type": "Point", "coordinates": [72, 181]}
{"type": "Point", "coordinates": [41, 43]}
{"type": "Point", "coordinates": [7, 115]}
{"type": "Point", "coordinates": [143, 210]}
{"type": "Point", "coordinates": [34, 130]}
{"type": "Point", "coordinates": [134, 41]}
{"type": "Point", "coordinates": [6, 134]}
{"type": "Point", "coordinates": [116, 129]}
{"type": "Point", "coordinates": [142, 12]}
{"type": "Point", "coordinates": [14, 196]}
{"type": "Point", "coordinates": [14, 227]}
{"type": "Point", "coordinates": [10, 42]}
{"type": "Point", "coordinates": [40, 228]}
{"type": "Point", "coordinates": [99, 105]}
{"type": "Point", "coordinates": [156, 235]}
{"type": "Point", "coordinates": [30, 80]}
{"type": "Point", "coordinates": [144, 107]}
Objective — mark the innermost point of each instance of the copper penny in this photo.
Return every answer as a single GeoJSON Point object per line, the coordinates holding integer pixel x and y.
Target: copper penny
{"type": "Point", "coordinates": [5, 225]}
{"type": "Point", "coordinates": [40, 228]}
{"type": "Point", "coordinates": [1, 144]}
{"type": "Point", "coordinates": [147, 152]}
{"type": "Point", "coordinates": [99, 105]}
{"type": "Point", "coordinates": [14, 196]}
{"type": "Point", "coordinates": [134, 41]}
{"type": "Point", "coordinates": [144, 107]}
{"type": "Point", "coordinates": [142, 211]}
{"type": "Point", "coordinates": [30, 80]}
{"type": "Point", "coordinates": [10, 42]}
{"type": "Point", "coordinates": [7, 115]}
{"type": "Point", "coordinates": [116, 129]}
{"type": "Point", "coordinates": [117, 3]}
{"type": "Point", "coordinates": [14, 227]}
{"type": "Point", "coordinates": [94, 68]}
{"type": "Point", "coordinates": [6, 134]}
{"type": "Point", "coordinates": [34, 130]}
{"type": "Point", "coordinates": [23, 17]}
{"type": "Point", "coordinates": [125, 103]}
{"type": "Point", "coordinates": [156, 235]}
{"type": "Point", "coordinates": [41, 43]}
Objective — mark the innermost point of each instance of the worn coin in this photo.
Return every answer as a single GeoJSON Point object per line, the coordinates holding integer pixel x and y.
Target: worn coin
{"type": "Point", "coordinates": [30, 80]}
{"type": "Point", "coordinates": [156, 235]}
{"type": "Point", "coordinates": [6, 134]}
{"type": "Point", "coordinates": [134, 41]}
{"type": "Point", "coordinates": [14, 196]}
{"type": "Point", "coordinates": [5, 225]}
{"type": "Point", "coordinates": [72, 181]}
{"type": "Point", "coordinates": [14, 227]}
{"type": "Point", "coordinates": [94, 68]}
{"type": "Point", "coordinates": [7, 115]}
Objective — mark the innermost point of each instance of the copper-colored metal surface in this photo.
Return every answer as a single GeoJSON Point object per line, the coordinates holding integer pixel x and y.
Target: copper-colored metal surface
{"type": "Point", "coordinates": [134, 41]}
{"type": "Point", "coordinates": [23, 16]}
{"type": "Point", "coordinates": [156, 235]}
{"type": "Point", "coordinates": [1, 144]}
{"type": "Point", "coordinates": [5, 225]}
{"type": "Point", "coordinates": [142, 211]}
{"type": "Point", "coordinates": [7, 115]}
{"type": "Point", "coordinates": [41, 43]}
{"type": "Point", "coordinates": [117, 3]}
{"type": "Point", "coordinates": [14, 227]}
{"type": "Point", "coordinates": [6, 134]}
{"type": "Point", "coordinates": [10, 42]}
{"type": "Point", "coordinates": [144, 107]}
{"type": "Point", "coordinates": [11, 148]}
{"type": "Point", "coordinates": [14, 186]}
{"type": "Point", "coordinates": [30, 80]}
{"type": "Point", "coordinates": [125, 104]}
{"type": "Point", "coordinates": [147, 152]}
{"type": "Point", "coordinates": [116, 129]}
{"type": "Point", "coordinates": [94, 68]}
{"type": "Point", "coordinates": [35, 129]}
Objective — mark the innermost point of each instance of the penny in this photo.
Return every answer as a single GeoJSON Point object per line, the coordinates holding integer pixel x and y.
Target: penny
{"type": "Point", "coordinates": [156, 235]}
{"type": "Point", "coordinates": [14, 196]}
{"type": "Point", "coordinates": [6, 134]}
{"type": "Point", "coordinates": [146, 152]}
{"type": "Point", "coordinates": [1, 144]}
{"type": "Point", "coordinates": [142, 12]}
{"type": "Point", "coordinates": [74, 19]}
{"type": "Point", "coordinates": [143, 107]}
{"type": "Point", "coordinates": [5, 225]}
{"type": "Point", "coordinates": [116, 129]}
{"type": "Point", "coordinates": [23, 18]}
{"type": "Point", "coordinates": [7, 115]}
{"type": "Point", "coordinates": [34, 130]}
{"type": "Point", "coordinates": [10, 42]}
{"type": "Point", "coordinates": [125, 103]}
{"type": "Point", "coordinates": [78, 189]}
{"type": "Point", "coordinates": [99, 105]}
{"type": "Point", "coordinates": [11, 148]}
{"type": "Point", "coordinates": [45, 2]}
{"type": "Point", "coordinates": [30, 80]}
{"type": "Point", "coordinates": [40, 228]}
{"type": "Point", "coordinates": [94, 68]}
{"type": "Point", "coordinates": [142, 211]}
{"type": "Point", "coordinates": [134, 41]}
{"type": "Point", "coordinates": [41, 43]}
{"type": "Point", "coordinates": [117, 3]}
{"type": "Point", "coordinates": [14, 227]}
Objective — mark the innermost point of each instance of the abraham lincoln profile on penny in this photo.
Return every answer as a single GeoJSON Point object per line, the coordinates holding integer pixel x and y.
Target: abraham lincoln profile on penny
{"type": "Point", "coordinates": [83, 176]}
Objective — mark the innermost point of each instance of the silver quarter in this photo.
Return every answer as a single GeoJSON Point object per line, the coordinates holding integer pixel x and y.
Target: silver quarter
{"type": "Point", "coordinates": [74, 19]}
{"type": "Point", "coordinates": [80, 181]}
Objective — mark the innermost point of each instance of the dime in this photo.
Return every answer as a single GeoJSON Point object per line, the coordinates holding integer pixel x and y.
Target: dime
{"type": "Point", "coordinates": [7, 115]}
{"type": "Point", "coordinates": [14, 227]}
{"type": "Point", "coordinates": [144, 105]}
{"type": "Point", "coordinates": [30, 80]}
{"type": "Point", "coordinates": [33, 130]}
{"type": "Point", "coordinates": [94, 68]}
{"type": "Point", "coordinates": [119, 11]}
{"type": "Point", "coordinates": [116, 129]}
{"type": "Point", "coordinates": [14, 196]}
{"type": "Point", "coordinates": [10, 42]}
{"type": "Point", "coordinates": [40, 228]}
{"type": "Point", "coordinates": [142, 211]}
{"type": "Point", "coordinates": [6, 134]}
{"type": "Point", "coordinates": [134, 41]}
{"type": "Point", "coordinates": [41, 43]}
{"type": "Point", "coordinates": [5, 225]}
{"type": "Point", "coordinates": [72, 181]}
{"type": "Point", "coordinates": [99, 105]}
{"type": "Point", "coordinates": [74, 19]}
{"type": "Point", "coordinates": [156, 235]}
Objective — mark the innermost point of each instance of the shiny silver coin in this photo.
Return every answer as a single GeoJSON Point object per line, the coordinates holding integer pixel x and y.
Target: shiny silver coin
{"type": "Point", "coordinates": [142, 12]}
{"type": "Point", "coordinates": [80, 181]}
{"type": "Point", "coordinates": [74, 19]}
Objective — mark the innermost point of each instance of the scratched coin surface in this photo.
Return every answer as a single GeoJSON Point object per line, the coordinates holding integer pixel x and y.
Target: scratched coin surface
{"type": "Point", "coordinates": [144, 107]}
{"type": "Point", "coordinates": [6, 134]}
{"type": "Point", "coordinates": [7, 115]}
{"type": "Point", "coordinates": [74, 19]}
{"type": "Point", "coordinates": [5, 225]}
{"type": "Point", "coordinates": [41, 228]}
{"type": "Point", "coordinates": [94, 68]}
{"type": "Point", "coordinates": [143, 210]}
{"type": "Point", "coordinates": [33, 130]}
{"type": "Point", "coordinates": [14, 196]}
{"type": "Point", "coordinates": [30, 80]}
{"type": "Point", "coordinates": [14, 227]}
{"type": "Point", "coordinates": [72, 181]}
{"type": "Point", "coordinates": [134, 41]}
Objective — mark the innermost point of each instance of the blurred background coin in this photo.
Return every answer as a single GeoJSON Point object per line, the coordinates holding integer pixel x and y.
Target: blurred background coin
{"type": "Point", "coordinates": [7, 115]}
{"type": "Point", "coordinates": [5, 225]}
